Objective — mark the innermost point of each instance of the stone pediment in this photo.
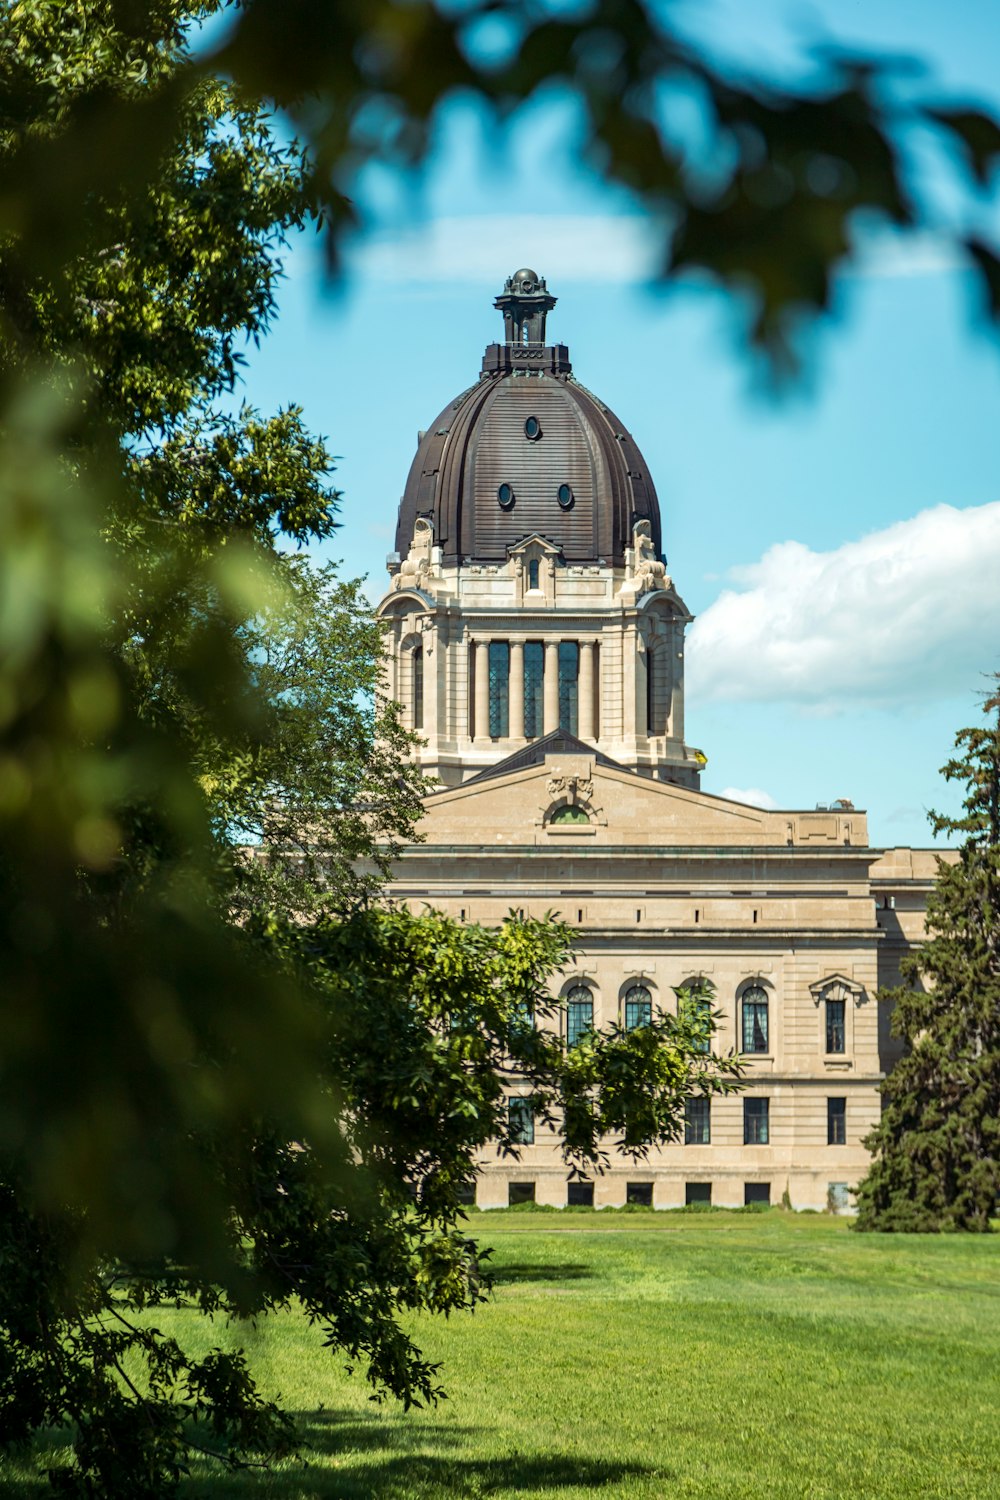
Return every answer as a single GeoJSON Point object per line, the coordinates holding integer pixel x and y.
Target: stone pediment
{"type": "Point", "coordinates": [570, 795]}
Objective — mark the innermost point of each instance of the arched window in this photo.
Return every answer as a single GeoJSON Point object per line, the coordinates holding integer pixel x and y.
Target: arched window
{"type": "Point", "coordinates": [638, 1007]}
{"type": "Point", "coordinates": [579, 1013]}
{"type": "Point", "coordinates": [650, 694]}
{"type": "Point", "coordinates": [755, 1034]}
{"type": "Point", "coordinates": [418, 687]}
{"type": "Point", "coordinates": [568, 813]}
{"type": "Point", "coordinates": [697, 994]}
{"type": "Point", "coordinates": [533, 573]}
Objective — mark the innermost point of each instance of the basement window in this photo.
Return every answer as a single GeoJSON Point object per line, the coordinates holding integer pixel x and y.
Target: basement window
{"type": "Point", "coordinates": [520, 1192]}
{"type": "Point", "coordinates": [579, 1195]}
{"type": "Point", "coordinates": [639, 1193]}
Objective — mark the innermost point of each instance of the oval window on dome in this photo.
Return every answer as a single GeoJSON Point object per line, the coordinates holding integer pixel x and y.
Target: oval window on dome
{"type": "Point", "coordinates": [532, 429]}
{"type": "Point", "coordinates": [564, 494]}
{"type": "Point", "coordinates": [505, 494]}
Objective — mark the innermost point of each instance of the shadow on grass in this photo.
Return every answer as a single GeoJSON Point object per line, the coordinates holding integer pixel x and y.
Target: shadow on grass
{"type": "Point", "coordinates": [346, 1456]}
{"type": "Point", "coordinates": [533, 1271]}
{"type": "Point", "coordinates": [350, 1459]}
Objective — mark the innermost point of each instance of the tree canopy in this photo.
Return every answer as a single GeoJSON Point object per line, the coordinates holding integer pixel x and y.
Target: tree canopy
{"type": "Point", "coordinates": [936, 1149]}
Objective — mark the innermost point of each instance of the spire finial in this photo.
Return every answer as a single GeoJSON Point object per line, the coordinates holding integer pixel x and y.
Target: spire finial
{"type": "Point", "coordinates": [524, 303]}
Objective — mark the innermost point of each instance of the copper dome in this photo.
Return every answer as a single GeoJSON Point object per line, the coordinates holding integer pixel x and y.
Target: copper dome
{"type": "Point", "coordinates": [528, 449]}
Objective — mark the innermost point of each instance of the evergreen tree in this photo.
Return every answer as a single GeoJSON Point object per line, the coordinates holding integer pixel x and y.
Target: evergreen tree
{"type": "Point", "coordinates": [937, 1148]}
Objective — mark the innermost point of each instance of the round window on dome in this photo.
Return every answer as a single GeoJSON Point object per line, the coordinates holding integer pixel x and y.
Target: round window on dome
{"type": "Point", "coordinates": [532, 429]}
{"type": "Point", "coordinates": [505, 494]}
{"type": "Point", "coordinates": [564, 494]}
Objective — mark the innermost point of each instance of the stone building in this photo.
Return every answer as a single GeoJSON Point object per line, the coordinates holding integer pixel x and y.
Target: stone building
{"type": "Point", "coordinates": [536, 642]}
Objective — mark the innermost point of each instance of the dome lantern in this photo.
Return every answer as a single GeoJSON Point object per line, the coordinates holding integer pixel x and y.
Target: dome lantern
{"type": "Point", "coordinates": [524, 303]}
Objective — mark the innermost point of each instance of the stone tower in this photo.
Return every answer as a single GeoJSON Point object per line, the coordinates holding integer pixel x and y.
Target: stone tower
{"type": "Point", "coordinates": [528, 593]}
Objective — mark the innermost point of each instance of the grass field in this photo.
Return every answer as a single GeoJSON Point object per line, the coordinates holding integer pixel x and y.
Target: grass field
{"type": "Point", "coordinates": [641, 1355]}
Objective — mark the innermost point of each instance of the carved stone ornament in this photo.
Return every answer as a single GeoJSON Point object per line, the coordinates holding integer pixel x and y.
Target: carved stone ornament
{"type": "Point", "coordinates": [415, 571]}
{"type": "Point", "coordinates": [572, 789]}
{"type": "Point", "coordinates": [644, 572]}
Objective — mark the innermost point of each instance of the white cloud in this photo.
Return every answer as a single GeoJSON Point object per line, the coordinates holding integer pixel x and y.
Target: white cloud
{"type": "Point", "coordinates": [751, 795]}
{"type": "Point", "coordinates": [901, 616]}
{"type": "Point", "coordinates": [585, 247]}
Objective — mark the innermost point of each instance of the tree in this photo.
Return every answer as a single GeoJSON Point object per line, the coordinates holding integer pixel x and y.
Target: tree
{"type": "Point", "coordinates": [937, 1147]}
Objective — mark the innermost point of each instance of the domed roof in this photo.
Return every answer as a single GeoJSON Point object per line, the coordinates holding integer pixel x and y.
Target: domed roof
{"type": "Point", "coordinates": [528, 449]}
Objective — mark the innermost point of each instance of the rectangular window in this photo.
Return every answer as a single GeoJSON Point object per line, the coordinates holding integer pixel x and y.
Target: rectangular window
{"type": "Point", "coordinates": [499, 690]}
{"type": "Point", "coordinates": [698, 1122]}
{"type": "Point", "coordinates": [579, 1195]}
{"type": "Point", "coordinates": [697, 1192]}
{"type": "Point", "coordinates": [569, 672]}
{"type": "Point", "coordinates": [756, 1192]}
{"type": "Point", "coordinates": [836, 1122]}
{"type": "Point", "coordinates": [640, 1193]}
{"type": "Point", "coordinates": [520, 1192]}
{"type": "Point", "coordinates": [835, 1026]}
{"type": "Point", "coordinates": [755, 1122]}
{"type": "Point", "coordinates": [650, 694]}
{"type": "Point", "coordinates": [534, 680]}
{"type": "Point", "coordinates": [418, 687]}
{"type": "Point", "coordinates": [521, 1122]}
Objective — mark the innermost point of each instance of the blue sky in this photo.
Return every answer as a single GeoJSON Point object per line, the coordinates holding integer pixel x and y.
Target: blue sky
{"type": "Point", "coordinates": [840, 547]}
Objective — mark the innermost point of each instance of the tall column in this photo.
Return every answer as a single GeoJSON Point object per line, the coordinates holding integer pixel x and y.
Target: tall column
{"type": "Point", "coordinates": [550, 700]}
{"type": "Point", "coordinates": [482, 674]}
{"type": "Point", "coordinates": [516, 690]}
{"type": "Point", "coordinates": [586, 691]}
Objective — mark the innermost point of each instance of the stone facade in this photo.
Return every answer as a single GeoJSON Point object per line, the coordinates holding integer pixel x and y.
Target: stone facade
{"type": "Point", "coordinates": [549, 694]}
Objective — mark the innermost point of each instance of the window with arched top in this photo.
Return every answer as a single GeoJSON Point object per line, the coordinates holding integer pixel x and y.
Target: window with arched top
{"type": "Point", "coordinates": [697, 995]}
{"type": "Point", "coordinates": [755, 1019]}
{"type": "Point", "coordinates": [579, 1013]}
{"type": "Point", "coordinates": [638, 1007]}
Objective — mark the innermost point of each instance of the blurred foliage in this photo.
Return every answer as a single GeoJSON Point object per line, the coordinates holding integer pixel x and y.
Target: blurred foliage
{"type": "Point", "coordinates": [936, 1148]}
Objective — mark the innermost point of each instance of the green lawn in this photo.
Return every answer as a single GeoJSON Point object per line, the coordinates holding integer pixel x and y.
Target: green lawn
{"type": "Point", "coordinates": [714, 1355]}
